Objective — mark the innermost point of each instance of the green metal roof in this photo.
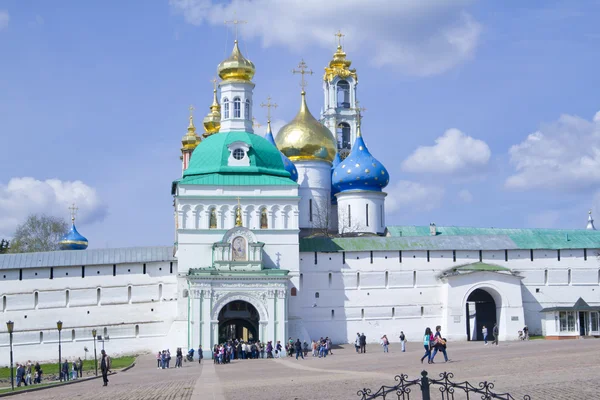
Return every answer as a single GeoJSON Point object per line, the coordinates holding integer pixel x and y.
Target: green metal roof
{"type": "Point", "coordinates": [580, 305]}
{"type": "Point", "coordinates": [480, 266]}
{"type": "Point", "coordinates": [237, 179]}
{"type": "Point", "coordinates": [522, 238]}
{"type": "Point", "coordinates": [457, 238]}
{"type": "Point", "coordinates": [212, 156]}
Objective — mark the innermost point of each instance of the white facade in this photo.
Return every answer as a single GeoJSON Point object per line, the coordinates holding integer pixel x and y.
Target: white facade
{"type": "Point", "coordinates": [314, 178]}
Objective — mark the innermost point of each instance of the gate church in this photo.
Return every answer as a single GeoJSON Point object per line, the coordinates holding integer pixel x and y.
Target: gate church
{"type": "Point", "coordinates": [251, 259]}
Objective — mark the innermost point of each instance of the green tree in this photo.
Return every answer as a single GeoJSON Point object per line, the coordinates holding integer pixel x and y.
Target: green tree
{"type": "Point", "coordinates": [4, 246]}
{"type": "Point", "coordinates": [38, 233]}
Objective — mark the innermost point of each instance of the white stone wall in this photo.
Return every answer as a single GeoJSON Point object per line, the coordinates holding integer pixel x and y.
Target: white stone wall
{"type": "Point", "coordinates": [386, 296]}
{"type": "Point", "coordinates": [136, 309]}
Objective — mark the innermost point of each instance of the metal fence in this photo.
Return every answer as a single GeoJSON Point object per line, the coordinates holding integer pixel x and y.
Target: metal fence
{"type": "Point", "coordinates": [426, 388]}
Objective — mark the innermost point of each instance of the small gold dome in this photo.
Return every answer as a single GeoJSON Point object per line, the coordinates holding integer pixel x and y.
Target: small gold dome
{"type": "Point", "coordinates": [339, 66]}
{"type": "Point", "coordinates": [305, 138]}
{"type": "Point", "coordinates": [212, 121]}
{"type": "Point", "coordinates": [190, 140]}
{"type": "Point", "coordinates": [236, 67]}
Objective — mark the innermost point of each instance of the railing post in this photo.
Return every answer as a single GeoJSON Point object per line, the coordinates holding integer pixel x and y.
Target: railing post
{"type": "Point", "coordinates": [425, 386]}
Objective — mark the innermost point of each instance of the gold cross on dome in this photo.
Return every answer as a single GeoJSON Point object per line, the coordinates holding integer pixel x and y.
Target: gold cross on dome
{"type": "Point", "coordinates": [191, 108]}
{"type": "Point", "coordinates": [302, 70]}
{"type": "Point", "coordinates": [339, 35]}
{"type": "Point", "coordinates": [255, 124]}
{"type": "Point", "coordinates": [73, 210]}
{"type": "Point", "coordinates": [235, 23]}
{"type": "Point", "coordinates": [359, 110]}
{"type": "Point", "coordinates": [269, 105]}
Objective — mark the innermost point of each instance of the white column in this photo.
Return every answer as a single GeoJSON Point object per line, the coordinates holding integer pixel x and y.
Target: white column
{"type": "Point", "coordinates": [314, 178]}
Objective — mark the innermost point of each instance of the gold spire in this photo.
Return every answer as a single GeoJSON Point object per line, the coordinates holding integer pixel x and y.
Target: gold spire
{"type": "Point", "coordinates": [305, 138]}
{"type": "Point", "coordinates": [238, 214]}
{"type": "Point", "coordinates": [212, 121]}
{"type": "Point", "coordinates": [190, 140]}
{"type": "Point", "coordinates": [339, 65]}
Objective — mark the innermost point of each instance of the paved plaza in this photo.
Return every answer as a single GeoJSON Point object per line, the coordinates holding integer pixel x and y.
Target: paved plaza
{"type": "Point", "coordinates": [558, 370]}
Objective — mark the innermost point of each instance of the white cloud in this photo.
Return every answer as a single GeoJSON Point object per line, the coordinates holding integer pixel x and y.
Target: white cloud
{"type": "Point", "coordinates": [406, 196]}
{"type": "Point", "coordinates": [454, 152]}
{"type": "Point", "coordinates": [24, 196]}
{"type": "Point", "coordinates": [465, 196]}
{"type": "Point", "coordinates": [4, 19]}
{"type": "Point", "coordinates": [562, 154]}
{"type": "Point", "coordinates": [415, 36]}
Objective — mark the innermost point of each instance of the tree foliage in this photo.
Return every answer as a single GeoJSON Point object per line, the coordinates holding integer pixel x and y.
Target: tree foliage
{"type": "Point", "coordinates": [4, 246]}
{"type": "Point", "coordinates": [38, 233]}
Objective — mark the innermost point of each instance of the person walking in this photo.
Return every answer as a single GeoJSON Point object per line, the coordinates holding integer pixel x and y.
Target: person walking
{"type": "Point", "coordinates": [357, 342]}
{"type": "Point", "coordinates": [80, 367]}
{"type": "Point", "coordinates": [495, 333]}
{"type": "Point", "coordinates": [427, 339]}
{"type": "Point", "coordinates": [28, 373]}
{"type": "Point", "coordinates": [403, 341]}
{"type": "Point", "coordinates": [200, 354]}
{"type": "Point", "coordinates": [158, 360]}
{"type": "Point", "coordinates": [385, 343]}
{"type": "Point", "coordinates": [440, 344]}
{"type": "Point", "coordinates": [484, 332]}
{"type": "Point", "coordinates": [105, 366]}
{"type": "Point", "coordinates": [363, 343]}
{"type": "Point", "coordinates": [74, 373]}
{"type": "Point", "coordinates": [298, 347]}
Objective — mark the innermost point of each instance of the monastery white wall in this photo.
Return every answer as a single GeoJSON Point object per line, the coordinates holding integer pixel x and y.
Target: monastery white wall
{"type": "Point", "coordinates": [134, 304]}
{"type": "Point", "coordinates": [384, 292]}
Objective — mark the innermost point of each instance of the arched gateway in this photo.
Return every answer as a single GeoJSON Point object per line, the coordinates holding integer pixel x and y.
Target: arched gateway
{"type": "Point", "coordinates": [481, 310]}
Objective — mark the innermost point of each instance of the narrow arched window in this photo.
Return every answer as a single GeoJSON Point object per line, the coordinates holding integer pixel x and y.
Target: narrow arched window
{"type": "Point", "coordinates": [367, 214]}
{"type": "Point", "coordinates": [225, 108]}
{"type": "Point", "coordinates": [212, 224]}
{"type": "Point", "coordinates": [343, 136]}
{"type": "Point", "coordinates": [349, 216]}
{"type": "Point", "coordinates": [137, 331]}
{"type": "Point", "coordinates": [293, 292]}
{"type": "Point", "coordinates": [160, 291]}
{"type": "Point", "coordinates": [129, 294]}
{"type": "Point", "coordinates": [237, 108]}
{"type": "Point", "coordinates": [72, 335]}
{"type": "Point", "coordinates": [316, 295]}
{"type": "Point", "coordinates": [343, 94]}
{"type": "Point", "coordinates": [98, 296]}
{"type": "Point", "coordinates": [264, 221]}
{"type": "Point", "coordinates": [247, 111]}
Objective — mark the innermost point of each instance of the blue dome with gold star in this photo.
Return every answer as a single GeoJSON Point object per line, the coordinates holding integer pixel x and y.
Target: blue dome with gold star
{"type": "Point", "coordinates": [360, 170]}
{"type": "Point", "coordinates": [288, 165]}
{"type": "Point", "coordinates": [73, 240]}
{"type": "Point", "coordinates": [336, 161]}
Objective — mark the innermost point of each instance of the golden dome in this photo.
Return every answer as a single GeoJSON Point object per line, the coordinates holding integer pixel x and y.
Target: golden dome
{"type": "Point", "coordinates": [236, 67]}
{"type": "Point", "coordinates": [190, 140]}
{"type": "Point", "coordinates": [339, 66]}
{"type": "Point", "coordinates": [212, 121]}
{"type": "Point", "coordinates": [305, 138]}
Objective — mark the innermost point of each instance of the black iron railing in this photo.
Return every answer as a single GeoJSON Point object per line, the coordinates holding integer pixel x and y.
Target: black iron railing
{"type": "Point", "coordinates": [407, 389]}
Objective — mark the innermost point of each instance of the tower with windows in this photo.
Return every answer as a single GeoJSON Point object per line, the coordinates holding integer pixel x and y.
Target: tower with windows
{"type": "Point", "coordinates": [236, 87]}
{"type": "Point", "coordinates": [341, 112]}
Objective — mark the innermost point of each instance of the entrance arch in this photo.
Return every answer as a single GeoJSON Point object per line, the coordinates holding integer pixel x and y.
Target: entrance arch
{"type": "Point", "coordinates": [481, 310]}
{"type": "Point", "coordinates": [238, 320]}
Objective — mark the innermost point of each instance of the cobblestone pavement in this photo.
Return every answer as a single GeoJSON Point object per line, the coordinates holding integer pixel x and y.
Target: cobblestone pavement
{"type": "Point", "coordinates": [557, 370]}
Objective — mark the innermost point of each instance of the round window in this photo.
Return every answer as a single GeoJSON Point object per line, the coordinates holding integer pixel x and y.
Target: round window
{"type": "Point", "coordinates": [238, 154]}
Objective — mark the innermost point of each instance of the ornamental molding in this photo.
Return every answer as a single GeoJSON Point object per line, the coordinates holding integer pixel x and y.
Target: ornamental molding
{"type": "Point", "coordinates": [257, 300]}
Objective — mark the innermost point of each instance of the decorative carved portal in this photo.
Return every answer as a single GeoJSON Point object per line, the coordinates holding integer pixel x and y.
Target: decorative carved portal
{"type": "Point", "coordinates": [238, 320]}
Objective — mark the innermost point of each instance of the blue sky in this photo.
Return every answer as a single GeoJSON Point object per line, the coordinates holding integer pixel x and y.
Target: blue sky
{"type": "Point", "coordinates": [483, 112]}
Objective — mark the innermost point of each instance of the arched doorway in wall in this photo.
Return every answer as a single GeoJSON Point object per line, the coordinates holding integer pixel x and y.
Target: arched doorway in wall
{"type": "Point", "coordinates": [238, 320]}
{"type": "Point", "coordinates": [481, 311]}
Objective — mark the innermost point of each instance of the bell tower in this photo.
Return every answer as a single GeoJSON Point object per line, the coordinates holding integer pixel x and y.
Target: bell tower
{"type": "Point", "coordinates": [340, 113]}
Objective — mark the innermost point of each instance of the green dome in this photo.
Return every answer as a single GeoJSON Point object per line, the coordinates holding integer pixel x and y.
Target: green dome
{"type": "Point", "coordinates": [211, 156]}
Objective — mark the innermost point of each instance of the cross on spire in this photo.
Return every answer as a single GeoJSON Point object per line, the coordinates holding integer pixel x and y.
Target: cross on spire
{"type": "Point", "coordinates": [214, 82]}
{"type": "Point", "coordinates": [359, 110]}
{"type": "Point", "coordinates": [302, 70]}
{"type": "Point", "coordinates": [235, 23]}
{"type": "Point", "coordinates": [191, 108]}
{"type": "Point", "coordinates": [339, 35]}
{"type": "Point", "coordinates": [269, 105]}
{"type": "Point", "coordinates": [73, 210]}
